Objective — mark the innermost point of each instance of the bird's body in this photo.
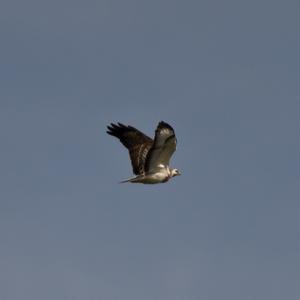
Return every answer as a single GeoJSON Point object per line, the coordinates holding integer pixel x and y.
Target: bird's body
{"type": "Point", "coordinates": [161, 176]}
{"type": "Point", "coordinates": [149, 158]}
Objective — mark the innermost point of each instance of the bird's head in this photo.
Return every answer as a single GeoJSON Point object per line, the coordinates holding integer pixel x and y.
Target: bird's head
{"type": "Point", "coordinates": [175, 172]}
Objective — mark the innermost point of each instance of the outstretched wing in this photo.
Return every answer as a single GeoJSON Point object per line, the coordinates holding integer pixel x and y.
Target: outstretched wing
{"type": "Point", "coordinates": [137, 143]}
{"type": "Point", "coordinates": [162, 149]}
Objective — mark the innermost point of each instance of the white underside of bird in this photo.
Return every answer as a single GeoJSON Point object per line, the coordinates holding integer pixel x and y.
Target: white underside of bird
{"type": "Point", "coordinates": [160, 176]}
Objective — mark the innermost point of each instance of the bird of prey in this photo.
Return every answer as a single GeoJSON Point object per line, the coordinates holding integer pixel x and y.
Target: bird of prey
{"type": "Point", "coordinates": [149, 158]}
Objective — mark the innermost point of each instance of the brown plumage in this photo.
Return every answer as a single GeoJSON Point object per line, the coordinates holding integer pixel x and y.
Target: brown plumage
{"type": "Point", "coordinates": [137, 143]}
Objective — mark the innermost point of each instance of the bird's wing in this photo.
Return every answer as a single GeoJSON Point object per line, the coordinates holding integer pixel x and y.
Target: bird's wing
{"type": "Point", "coordinates": [137, 143]}
{"type": "Point", "coordinates": [162, 149]}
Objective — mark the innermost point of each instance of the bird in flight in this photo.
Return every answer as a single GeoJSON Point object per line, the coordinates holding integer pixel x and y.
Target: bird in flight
{"type": "Point", "coordinates": [149, 158]}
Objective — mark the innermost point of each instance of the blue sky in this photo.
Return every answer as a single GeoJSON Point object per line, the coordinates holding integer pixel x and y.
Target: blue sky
{"type": "Point", "coordinates": [225, 75]}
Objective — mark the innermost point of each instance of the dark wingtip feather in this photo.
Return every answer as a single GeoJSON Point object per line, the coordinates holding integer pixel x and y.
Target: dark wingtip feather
{"type": "Point", "coordinates": [163, 124]}
{"type": "Point", "coordinates": [113, 129]}
{"type": "Point", "coordinates": [117, 130]}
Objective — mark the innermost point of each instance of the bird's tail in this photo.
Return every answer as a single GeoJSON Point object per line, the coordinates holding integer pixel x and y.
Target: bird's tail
{"type": "Point", "coordinates": [136, 179]}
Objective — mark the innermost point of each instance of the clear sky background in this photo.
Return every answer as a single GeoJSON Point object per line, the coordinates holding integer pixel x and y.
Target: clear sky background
{"type": "Point", "coordinates": [225, 75]}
